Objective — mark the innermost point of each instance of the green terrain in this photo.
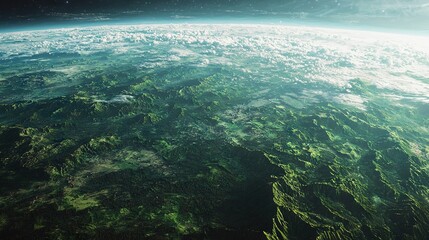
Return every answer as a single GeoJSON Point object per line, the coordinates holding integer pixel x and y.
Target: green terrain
{"type": "Point", "coordinates": [99, 147]}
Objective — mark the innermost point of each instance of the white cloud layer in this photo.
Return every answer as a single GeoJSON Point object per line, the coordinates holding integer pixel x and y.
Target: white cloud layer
{"type": "Point", "coordinates": [297, 54]}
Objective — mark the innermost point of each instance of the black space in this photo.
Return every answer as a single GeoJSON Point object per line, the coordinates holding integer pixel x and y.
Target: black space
{"type": "Point", "coordinates": [44, 7]}
{"type": "Point", "coordinates": [399, 14]}
{"type": "Point", "coordinates": [24, 9]}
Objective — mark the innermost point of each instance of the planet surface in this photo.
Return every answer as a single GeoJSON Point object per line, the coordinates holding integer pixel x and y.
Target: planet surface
{"type": "Point", "coordinates": [210, 131]}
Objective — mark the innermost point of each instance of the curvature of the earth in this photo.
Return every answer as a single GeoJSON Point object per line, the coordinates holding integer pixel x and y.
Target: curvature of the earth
{"type": "Point", "coordinates": [203, 131]}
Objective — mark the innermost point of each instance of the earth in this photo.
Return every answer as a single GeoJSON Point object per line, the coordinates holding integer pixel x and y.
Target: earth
{"type": "Point", "coordinates": [206, 131]}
